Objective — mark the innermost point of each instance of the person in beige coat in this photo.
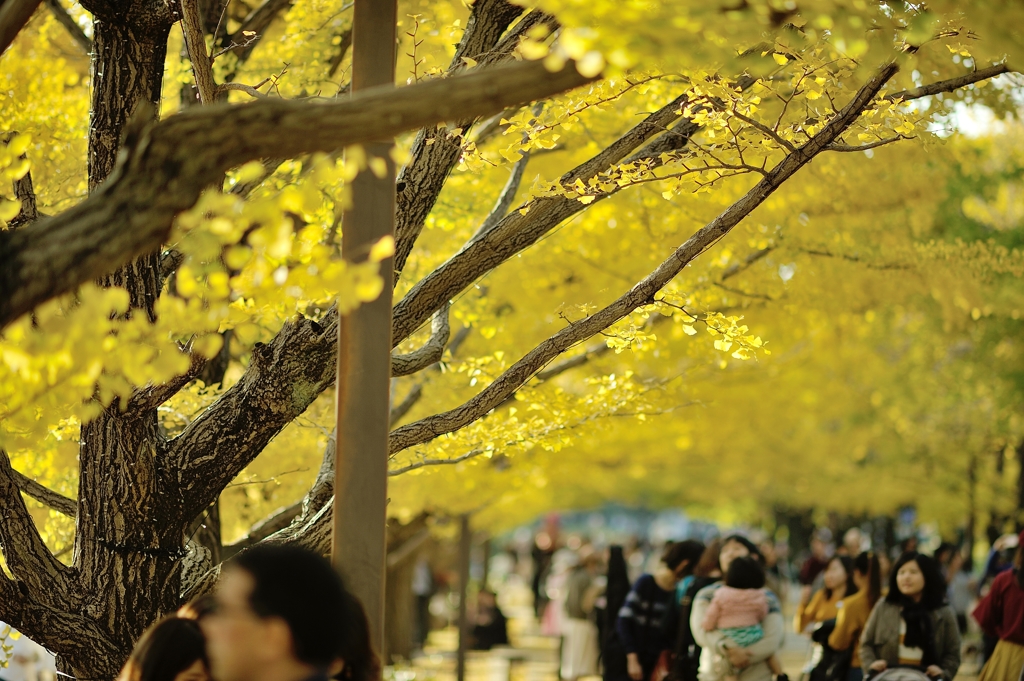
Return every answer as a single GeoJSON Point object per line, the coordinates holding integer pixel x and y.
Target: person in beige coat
{"type": "Point", "coordinates": [913, 626]}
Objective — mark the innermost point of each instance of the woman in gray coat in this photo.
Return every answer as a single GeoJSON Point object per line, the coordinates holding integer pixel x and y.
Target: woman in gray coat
{"type": "Point", "coordinates": [913, 626]}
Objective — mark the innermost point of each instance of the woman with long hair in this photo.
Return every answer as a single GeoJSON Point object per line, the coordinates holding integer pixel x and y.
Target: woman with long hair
{"type": "Point", "coordinates": [853, 616]}
{"type": "Point", "coordinates": [172, 649]}
{"type": "Point", "coordinates": [1001, 615]}
{"type": "Point", "coordinates": [913, 626]}
{"type": "Point", "coordinates": [824, 605]}
{"type": "Point", "coordinates": [613, 655]}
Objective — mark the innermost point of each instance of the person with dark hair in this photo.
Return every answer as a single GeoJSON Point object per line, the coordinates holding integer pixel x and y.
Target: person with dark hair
{"type": "Point", "coordinates": [752, 661]}
{"type": "Point", "coordinates": [738, 609]}
{"type": "Point", "coordinates": [686, 652]}
{"type": "Point", "coordinates": [1001, 615]}
{"type": "Point", "coordinates": [172, 649]}
{"type": "Point", "coordinates": [853, 616]}
{"type": "Point", "coordinates": [912, 626]}
{"type": "Point", "coordinates": [643, 623]}
{"type": "Point", "coordinates": [490, 627]}
{"type": "Point", "coordinates": [613, 655]}
{"type": "Point", "coordinates": [282, 614]}
{"type": "Point", "coordinates": [824, 605]}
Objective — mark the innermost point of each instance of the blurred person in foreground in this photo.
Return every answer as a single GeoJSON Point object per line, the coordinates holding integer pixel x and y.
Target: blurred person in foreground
{"type": "Point", "coordinates": [282, 614]}
{"type": "Point", "coordinates": [1001, 616]}
{"type": "Point", "coordinates": [172, 649]}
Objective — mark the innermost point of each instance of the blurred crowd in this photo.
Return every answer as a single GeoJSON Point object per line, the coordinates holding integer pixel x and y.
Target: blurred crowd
{"type": "Point", "coordinates": [717, 609]}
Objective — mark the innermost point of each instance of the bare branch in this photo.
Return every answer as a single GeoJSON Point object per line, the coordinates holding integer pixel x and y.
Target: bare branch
{"type": "Point", "coordinates": [423, 463]}
{"type": "Point", "coordinates": [407, 403]}
{"type": "Point", "coordinates": [164, 166]}
{"type": "Point", "coordinates": [505, 199]}
{"type": "Point", "coordinates": [785, 144]}
{"type": "Point", "coordinates": [950, 84]}
{"type": "Point", "coordinates": [45, 496]}
{"type": "Point", "coordinates": [339, 56]}
{"type": "Point", "coordinates": [241, 87]}
{"type": "Point", "coordinates": [14, 14]}
{"type": "Point", "coordinates": [430, 352]}
{"type": "Point", "coordinates": [865, 147]}
{"type": "Point", "coordinates": [70, 25]}
{"type": "Point", "coordinates": [643, 292]}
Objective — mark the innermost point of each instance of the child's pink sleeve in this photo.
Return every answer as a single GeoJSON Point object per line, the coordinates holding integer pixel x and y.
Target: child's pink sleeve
{"type": "Point", "coordinates": [762, 607]}
{"type": "Point", "coordinates": [714, 611]}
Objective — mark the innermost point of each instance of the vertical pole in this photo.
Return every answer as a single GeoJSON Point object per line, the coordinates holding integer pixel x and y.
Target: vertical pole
{"type": "Point", "coordinates": [364, 346]}
{"type": "Point", "coordinates": [465, 539]}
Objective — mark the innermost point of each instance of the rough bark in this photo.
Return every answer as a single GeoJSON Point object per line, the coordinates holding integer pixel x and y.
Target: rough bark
{"type": "Point", "coordinates": [162, 173]}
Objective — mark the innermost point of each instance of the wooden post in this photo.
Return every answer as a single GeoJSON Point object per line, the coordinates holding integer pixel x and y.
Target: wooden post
{"type": "Point", "coordinates": [465, 541]}
{"type": "Point", "coordinates": [364, 346]}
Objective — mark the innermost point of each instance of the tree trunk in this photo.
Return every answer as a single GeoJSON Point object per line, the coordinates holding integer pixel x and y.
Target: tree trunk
{"type": "Point", "coordinates": [128, 543]}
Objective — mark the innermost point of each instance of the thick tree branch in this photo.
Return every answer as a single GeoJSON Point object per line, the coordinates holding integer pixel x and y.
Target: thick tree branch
{"type": "Point", "coordinates": [431, 351]}
{"type": "Point", "coordinates": [14, 14]}
{"type": "Point", "coordinates": [195, 44]}
{"type": "Point", "coordinates": [644, 291]}
{"type": "Point", "coordinates": [24, 551]}
{"type": "Point", "coordinates": [152, 396]}
{"type": "Point", "coordinates": [435, 151]}
{"type": "Point", "coordinates": [278, 386]}
{"type": "Point", "coordinates": [518, 231]}
{"type": "Point", "coordinates": [70, 25]}
{"type": "Point", "coordinates": [44, 495]}
{"type": "Point", "coordinates": [161, 173]}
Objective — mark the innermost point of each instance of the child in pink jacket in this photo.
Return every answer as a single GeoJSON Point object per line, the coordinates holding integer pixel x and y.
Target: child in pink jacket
{"type": "Point", "coordinates": [737, 610]}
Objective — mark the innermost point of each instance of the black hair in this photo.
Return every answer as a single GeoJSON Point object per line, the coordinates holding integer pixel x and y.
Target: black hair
{"type": "Point", "coordinates": [749, 545]}
{"type": "Point", "coordinates": [326, 621]}
{"type": "Point", "coordinates": [847, 563]}
{"type": "Point", "coordinates": [934, 594]}
{"type": "Point", "coordinates": [167, 648]}
{"type": "Point", "coordinates": [677, 552]}
{"type": "Point", "coordinates": [745, 572]}
{"type": "Point", "coordinates": [867, 564]}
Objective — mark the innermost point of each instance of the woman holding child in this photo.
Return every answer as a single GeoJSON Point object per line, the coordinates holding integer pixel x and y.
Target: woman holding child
{"type": "Point", "coordinates": [744, 610]}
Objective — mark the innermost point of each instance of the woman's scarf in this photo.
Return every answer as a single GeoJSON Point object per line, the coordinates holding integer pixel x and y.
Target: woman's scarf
{"type": "Point", "coordinates": [920, 630]}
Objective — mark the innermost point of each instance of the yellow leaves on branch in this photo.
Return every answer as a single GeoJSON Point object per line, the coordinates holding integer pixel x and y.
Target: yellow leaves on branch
{"type": "Point", "coordinates": [245, 265]}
